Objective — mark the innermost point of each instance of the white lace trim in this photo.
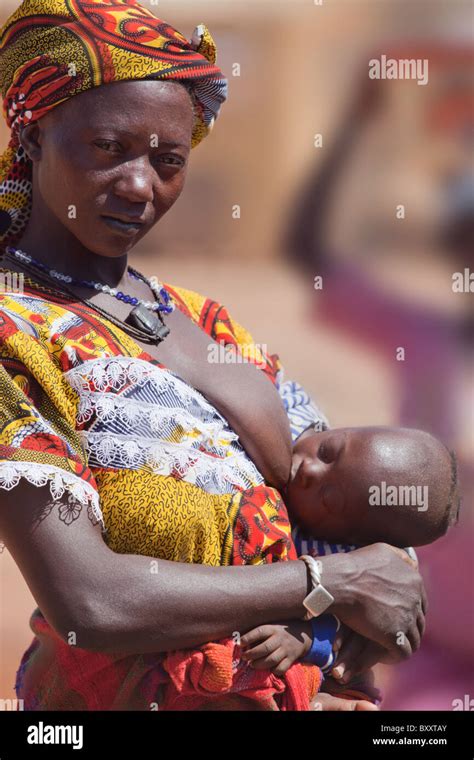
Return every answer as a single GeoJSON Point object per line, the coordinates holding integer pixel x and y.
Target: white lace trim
{"type": "Point", "coordinates": [39, 474]}
{"type": "Point", "coordinates": [205, 451]}
{"type": "Point", "coordinates": [214, 474]}
{"type": "Point", "coordinates": [108, 407]}
{"type": "Point", "coordinates": [117, 371]}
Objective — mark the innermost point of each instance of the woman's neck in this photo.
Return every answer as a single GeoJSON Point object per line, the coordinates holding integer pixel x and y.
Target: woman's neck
{"type": "Point", "coordinates": [60, 250]}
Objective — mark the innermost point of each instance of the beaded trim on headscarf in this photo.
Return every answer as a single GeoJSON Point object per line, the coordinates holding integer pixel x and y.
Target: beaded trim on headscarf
{"type": "Point", "coordinates": [51, 50]}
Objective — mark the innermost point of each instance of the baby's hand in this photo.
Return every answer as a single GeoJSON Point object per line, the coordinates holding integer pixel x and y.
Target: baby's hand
{"type": "Point", "coordinates": [276, 647]}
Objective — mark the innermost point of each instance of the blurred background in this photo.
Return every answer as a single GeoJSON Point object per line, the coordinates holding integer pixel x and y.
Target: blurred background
{"type": "Point", "coordinates": [368, 185]}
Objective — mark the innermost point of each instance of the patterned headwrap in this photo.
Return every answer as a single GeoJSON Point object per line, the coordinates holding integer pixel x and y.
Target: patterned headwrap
{"type": "Point", "coordinates": [51, 50]}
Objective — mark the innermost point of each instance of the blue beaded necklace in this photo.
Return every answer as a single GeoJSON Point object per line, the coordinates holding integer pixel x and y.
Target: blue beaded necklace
{"type": "Point", "coordinates": [160, 292]}
{"type": "Point", "coordinates": [144, 322]}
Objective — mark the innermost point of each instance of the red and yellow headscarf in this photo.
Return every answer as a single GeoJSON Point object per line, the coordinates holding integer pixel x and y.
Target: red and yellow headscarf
{"type": "Point", "coordinates": [51, 50]}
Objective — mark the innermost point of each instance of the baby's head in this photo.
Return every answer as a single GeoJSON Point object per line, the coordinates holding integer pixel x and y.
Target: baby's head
{"type": "Point", "coordinates": [364, 485]}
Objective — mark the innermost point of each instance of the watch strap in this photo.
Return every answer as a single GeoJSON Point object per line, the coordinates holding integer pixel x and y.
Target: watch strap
{"type": "Point", "coordinates": [319, 599]}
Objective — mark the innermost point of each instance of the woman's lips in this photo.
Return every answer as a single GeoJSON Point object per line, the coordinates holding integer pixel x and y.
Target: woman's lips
{"type": "Point", "coordinates": [125, 228]}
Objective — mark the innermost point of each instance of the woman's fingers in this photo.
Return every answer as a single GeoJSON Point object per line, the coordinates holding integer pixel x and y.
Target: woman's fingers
{"type": "Point", "coordinates": [341, 635]}
{"type": "Point", "coordinates": [370, 655]}
{"type": "Point", "coordinates": [414, 637]}
{"type": "Point", "coordinates": [348, 655]}
{"type": "Point", "coordinates": [424, 599]}
{"type": "Point", "coordinates": [330, 703]}
{"type": "Point", "coordinates": [421, 624]}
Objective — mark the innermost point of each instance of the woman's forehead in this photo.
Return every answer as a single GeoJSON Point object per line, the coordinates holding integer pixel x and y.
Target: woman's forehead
{"type": "Point", "coordinates": [140, 104]}
{"type": "Point", "coordinates": [142, 94]}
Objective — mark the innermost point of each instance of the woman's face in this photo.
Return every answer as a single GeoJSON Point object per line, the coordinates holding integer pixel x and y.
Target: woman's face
{"type": "Point", "coordinates": [111, 162]}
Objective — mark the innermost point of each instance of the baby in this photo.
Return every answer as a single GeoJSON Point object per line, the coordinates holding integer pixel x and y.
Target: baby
{"type": "Point", "coordinates": [356, 486]}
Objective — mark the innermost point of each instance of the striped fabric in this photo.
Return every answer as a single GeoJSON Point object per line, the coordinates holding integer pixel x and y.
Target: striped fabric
{"type": "Point", "coordinates": [301, 410]}
{"type": "Point", "coordinates": [305, 544]}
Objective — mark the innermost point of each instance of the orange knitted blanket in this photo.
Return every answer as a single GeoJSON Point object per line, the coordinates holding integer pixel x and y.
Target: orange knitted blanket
{"type": "Point", "coordinates": [214, 677]}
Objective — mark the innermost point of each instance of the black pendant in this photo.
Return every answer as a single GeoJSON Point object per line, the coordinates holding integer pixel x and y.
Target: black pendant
{"type": "Point", "coordinates": [148, 321]}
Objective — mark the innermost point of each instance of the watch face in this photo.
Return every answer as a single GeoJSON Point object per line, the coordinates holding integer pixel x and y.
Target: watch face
{"type": "Point", "coordinates": [318, 600]}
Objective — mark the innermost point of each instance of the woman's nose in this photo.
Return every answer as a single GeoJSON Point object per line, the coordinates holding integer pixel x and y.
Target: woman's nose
{"type": "Point", "coordinates": [136, 183]}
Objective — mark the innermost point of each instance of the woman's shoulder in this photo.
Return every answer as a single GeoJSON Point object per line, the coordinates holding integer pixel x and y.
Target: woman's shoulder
{"type": "Point", "coordinates": [193, 300]}
{"type": "Point", "coordinates": [211, 315]}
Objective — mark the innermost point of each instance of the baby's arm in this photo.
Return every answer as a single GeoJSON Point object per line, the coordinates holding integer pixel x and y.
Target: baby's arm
{"type": "Point", "coordinates": [320, 642]}
{"type": "Point", "coordinates": [277, 646]}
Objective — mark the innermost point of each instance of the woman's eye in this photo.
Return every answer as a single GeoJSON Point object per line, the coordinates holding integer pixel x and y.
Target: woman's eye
{"type": "Point", "coordinates": [111, 146]}
{"type": "Point", "coordinates": [171, 160]}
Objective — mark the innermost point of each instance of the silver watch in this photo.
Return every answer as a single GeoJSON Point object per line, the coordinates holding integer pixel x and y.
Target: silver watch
{"type": "Point", "coordinates": [319, 599]}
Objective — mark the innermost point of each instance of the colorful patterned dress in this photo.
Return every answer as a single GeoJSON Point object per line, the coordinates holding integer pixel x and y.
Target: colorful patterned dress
{"type": "Point", "coordinates": [180, 487]}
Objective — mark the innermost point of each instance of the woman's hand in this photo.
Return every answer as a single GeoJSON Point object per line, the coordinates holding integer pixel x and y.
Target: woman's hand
{"type": "Point", "coordinates": [334, 696]}
{"type": "Point", "coordinates": [329, 703]}
{"type": "Point", "coordinates": [354, 654]}
{"type": "Point", "coordinates": [380, 595]}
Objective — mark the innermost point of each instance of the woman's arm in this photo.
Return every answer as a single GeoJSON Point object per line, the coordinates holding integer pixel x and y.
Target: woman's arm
{"type": "Point", "coordinates": [132, 604]}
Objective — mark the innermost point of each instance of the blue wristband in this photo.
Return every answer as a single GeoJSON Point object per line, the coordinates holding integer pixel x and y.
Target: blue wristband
{"type": "Point", "coordinates": [324, 628]}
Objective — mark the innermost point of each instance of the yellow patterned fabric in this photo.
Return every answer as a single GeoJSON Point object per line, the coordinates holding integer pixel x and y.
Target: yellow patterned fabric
{"type": "Point", "coordinates": [162, 517]}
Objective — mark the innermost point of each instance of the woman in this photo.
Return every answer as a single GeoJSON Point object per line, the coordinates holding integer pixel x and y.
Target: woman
{"type": "Point", "coordinates": [98, 399]}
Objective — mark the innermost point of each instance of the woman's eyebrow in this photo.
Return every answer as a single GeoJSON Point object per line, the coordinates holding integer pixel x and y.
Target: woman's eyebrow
{"type": "Point", "coordinates": [173, 144]}
{"type": "Point", "coordinates": [135, 135]}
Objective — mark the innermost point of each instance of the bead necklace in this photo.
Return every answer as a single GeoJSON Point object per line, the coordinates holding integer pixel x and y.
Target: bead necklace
{"type": "Point", "coordinates": [145, 321]}
{"type": "Point", "coordinates": [159, 292]}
